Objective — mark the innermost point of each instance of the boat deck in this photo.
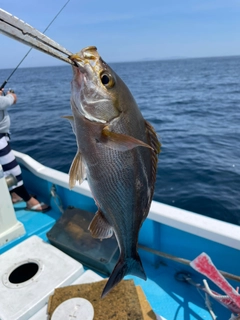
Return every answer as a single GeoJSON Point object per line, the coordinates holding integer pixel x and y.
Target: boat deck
{"type": "Point", "coordinates": [168, 297]}
{"type": "Point", "coordinates": [171, 230]}
{"type": "Point", "coordinates": [35, 223]}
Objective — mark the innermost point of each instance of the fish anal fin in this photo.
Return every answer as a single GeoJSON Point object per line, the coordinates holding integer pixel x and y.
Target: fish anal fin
{"type": "Point", "coordinates": [99, 227]}
{"type": "Point", "coordinates": [121, 142]}
{"type": "Point", "coordinates": [77, 171]}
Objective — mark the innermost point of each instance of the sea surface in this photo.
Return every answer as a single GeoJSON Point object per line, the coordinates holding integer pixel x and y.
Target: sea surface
{"type": "Point", "coordinates": [194, 105]}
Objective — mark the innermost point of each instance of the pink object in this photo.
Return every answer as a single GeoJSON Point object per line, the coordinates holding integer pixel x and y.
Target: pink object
{"type": "Point", "coordinates": [224, 300]}
{"type": "Point", "coordinates": [204, 265]}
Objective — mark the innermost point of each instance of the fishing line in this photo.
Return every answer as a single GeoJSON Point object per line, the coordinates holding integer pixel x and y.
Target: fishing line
{"type": "Point", "coordinates": [5, 82]}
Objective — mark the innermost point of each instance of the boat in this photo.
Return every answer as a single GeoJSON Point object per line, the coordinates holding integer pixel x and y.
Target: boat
{"type": "Point", "coordinates": [43, 252]}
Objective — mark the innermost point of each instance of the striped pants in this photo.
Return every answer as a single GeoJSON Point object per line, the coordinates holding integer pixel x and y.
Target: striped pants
{"type": "Point", "coordinates": [10, 166]}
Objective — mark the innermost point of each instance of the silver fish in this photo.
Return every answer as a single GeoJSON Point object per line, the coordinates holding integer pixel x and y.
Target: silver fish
{"type": "Point", "coordinates": [118, 152]}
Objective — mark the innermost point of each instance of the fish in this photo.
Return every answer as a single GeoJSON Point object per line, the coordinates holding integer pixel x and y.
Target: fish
{"type": "Point", "coordinates": [117, 153]}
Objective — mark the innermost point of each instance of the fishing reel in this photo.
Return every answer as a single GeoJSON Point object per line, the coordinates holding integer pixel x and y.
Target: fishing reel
{"type": "Point", "coordinates": [9, 90]}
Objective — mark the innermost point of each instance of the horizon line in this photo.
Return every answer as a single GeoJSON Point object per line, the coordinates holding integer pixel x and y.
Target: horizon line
{"type": "Point", "coordinates": [136, 61]}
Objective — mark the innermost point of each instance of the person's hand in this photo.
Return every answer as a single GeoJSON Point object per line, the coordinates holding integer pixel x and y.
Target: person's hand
{"type": "Point", "coordinates": [14, 96]}
{"type": "Point", "coordinates": [1, 92]}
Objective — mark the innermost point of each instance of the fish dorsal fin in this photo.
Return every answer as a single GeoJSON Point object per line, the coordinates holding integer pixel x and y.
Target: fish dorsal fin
{"type": "Point", "coordinates": [156, 148]}
{"type": "Point", "coordinates": [71, 120]}
{"type": "Point", "coordinates": [152, 138]}
{"type": "Point", "coordinates": [77, 171]}
{"type": "Point", "coordinates": [99, 227]}
{"type": "Point", "coordinates": [121, 142]}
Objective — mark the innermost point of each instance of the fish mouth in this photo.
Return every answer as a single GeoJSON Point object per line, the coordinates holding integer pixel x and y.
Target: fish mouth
{"type": "Point", "coordinates": [79, 63]}
{"type": "Point", "coordinates": [86, 56]}
{"type": "Point", "coordinates": [82, 63]}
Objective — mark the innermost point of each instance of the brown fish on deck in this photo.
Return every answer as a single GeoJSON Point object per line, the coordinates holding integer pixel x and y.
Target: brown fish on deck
{"type": "Point", "coordinates": [118, 152]}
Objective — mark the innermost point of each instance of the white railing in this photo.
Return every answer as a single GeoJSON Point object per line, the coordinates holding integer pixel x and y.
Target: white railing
{"type": "Point", "coordinates": [209, 228]}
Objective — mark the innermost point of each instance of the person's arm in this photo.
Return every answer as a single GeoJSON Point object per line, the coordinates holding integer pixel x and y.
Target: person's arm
{"type": "Point", "coordinates": [8, 100]}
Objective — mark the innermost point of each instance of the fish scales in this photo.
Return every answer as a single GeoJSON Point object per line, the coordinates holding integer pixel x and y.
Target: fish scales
{"type": "Point", "coordinates": [118, 152]}
{"type": "Point", "coordinates": [118, 183]}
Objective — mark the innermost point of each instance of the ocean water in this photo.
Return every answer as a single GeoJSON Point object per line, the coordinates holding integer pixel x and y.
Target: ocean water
{"type": "Point", "coordinates": [194, 105]}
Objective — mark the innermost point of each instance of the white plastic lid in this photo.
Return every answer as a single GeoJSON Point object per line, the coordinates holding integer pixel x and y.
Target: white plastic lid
{"type": "Point", "coordinates": [75, 308]}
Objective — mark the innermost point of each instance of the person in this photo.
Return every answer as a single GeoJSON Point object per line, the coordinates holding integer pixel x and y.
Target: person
{"type": "Point", "coordinates": [8, 160]}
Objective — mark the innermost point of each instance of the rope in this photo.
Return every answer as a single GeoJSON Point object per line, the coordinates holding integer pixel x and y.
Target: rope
{"type": "Point", "coordinates": [213, 295]}
{"type": "Point", "coordinates": [209, 306]}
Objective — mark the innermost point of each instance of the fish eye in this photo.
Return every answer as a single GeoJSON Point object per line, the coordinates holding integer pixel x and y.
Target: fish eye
{"type": "Point", "coordinates": [107, 80]}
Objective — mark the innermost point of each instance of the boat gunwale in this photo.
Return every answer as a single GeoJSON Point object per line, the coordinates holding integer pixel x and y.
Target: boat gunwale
{"type": "Point", "coordinates": [209, 228]}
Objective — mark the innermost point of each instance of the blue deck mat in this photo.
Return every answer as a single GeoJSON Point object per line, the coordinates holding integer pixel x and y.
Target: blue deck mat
{"type": "Point", "coordinates": [36, 223]}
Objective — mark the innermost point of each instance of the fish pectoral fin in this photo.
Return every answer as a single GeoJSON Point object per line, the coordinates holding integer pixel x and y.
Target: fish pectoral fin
{"type": "Point", "coordinates": [99, 227]}
{"type": "Point", "coordinates": [121, 142]}
{"type": "Point", "coordinates": [71, 120]}
{"type": "Point", "coordinates": [77, 171]}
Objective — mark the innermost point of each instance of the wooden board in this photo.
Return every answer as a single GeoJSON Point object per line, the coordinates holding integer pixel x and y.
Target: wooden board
{"type": "Point", "coordinates": [125, 301]}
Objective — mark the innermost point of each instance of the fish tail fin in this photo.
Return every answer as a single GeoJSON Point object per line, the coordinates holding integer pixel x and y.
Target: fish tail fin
{"type": "Point", "coordinates": [124, 267]}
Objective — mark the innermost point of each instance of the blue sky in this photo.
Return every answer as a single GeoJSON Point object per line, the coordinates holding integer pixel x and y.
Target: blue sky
{"type": "Point", "coordinates": [128, 30]}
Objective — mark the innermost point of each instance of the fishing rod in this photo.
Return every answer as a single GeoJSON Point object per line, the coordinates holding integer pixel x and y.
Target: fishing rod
{"type": "Point", "coordinates": [6, 81]}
